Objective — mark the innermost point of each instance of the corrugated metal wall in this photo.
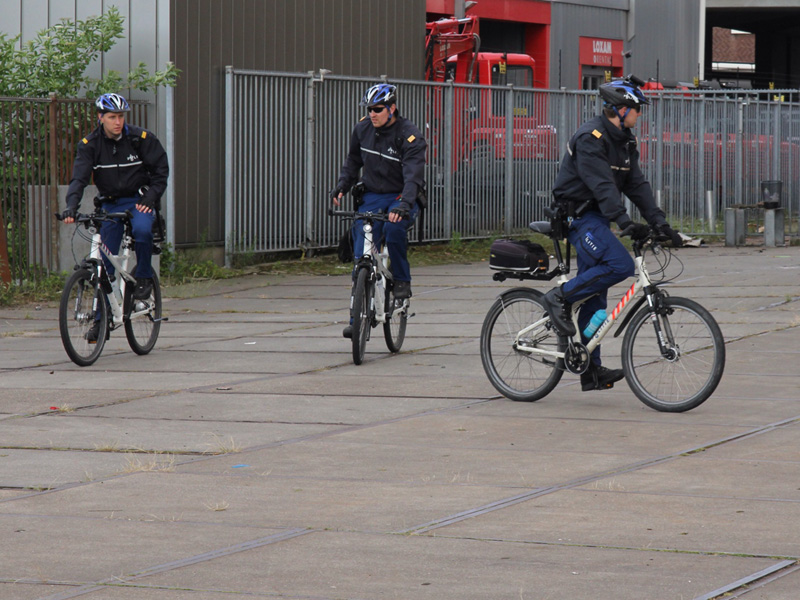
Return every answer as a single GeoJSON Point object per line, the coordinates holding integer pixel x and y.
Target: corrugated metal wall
{"type": "Point", "coordinates": [144, 38]}
{"type": "Point", "coordinates": [348, 37]}
{"type": "Point", "coordinates": [665, 44]}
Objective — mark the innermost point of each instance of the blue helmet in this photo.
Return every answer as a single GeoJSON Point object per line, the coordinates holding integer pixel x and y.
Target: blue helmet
{"type": "Point", "coordinates": [382, 93]}
{"type": "Point", "coordinates": [112, 103]}
{"type": "Point", "coordinates": [622, 93]}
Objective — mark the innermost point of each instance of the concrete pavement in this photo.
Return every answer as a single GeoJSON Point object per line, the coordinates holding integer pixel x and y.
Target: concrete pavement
{"type": "Point", "coordinates": [247, 456]}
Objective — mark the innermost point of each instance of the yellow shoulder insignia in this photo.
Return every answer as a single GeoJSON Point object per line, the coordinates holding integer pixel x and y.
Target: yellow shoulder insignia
{"type": "Point", "coordinates": [361, 119]}
{"type": "Point", "coordinates": [144, 134]}
{"type": "Point", "coordinates": [85, 141]}
{"type": "Point", "coordinates": [411, 138]}
{"type": "Point", "coordinates": [597, 134]}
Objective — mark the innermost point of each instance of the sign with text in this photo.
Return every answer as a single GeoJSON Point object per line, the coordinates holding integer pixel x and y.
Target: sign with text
{"type": "Point", "coordinates": [601, 52]}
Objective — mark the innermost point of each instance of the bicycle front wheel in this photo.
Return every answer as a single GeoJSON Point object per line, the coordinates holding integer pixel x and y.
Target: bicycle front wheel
{"type": "Point", "coordinates": [361, 315]}
{"type": "Point", "coordinates": [394, 329]}
{"type": "Point", "coordinates": [690, 368]}
{"type": "Point", "coordinates": [519, 375]}
{"type": "Point", "coordinates": [142, 318]}
{"type": "Point", "coordinates": [83, 305]}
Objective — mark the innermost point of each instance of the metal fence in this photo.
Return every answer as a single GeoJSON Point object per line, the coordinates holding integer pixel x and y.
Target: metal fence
{"type": "Point", "coordinates": [38, 138]}
{"type": "Point", "coordinates": [493, 154]}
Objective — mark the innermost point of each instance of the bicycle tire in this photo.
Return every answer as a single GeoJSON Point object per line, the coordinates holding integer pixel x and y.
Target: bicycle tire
{"type": "Point", "coordinates": [518, 375]}
{"type": "Point", "coordinates": [142, 330]}
{"type": "Point", "coordinates": [81, 299]}
{"type": "Point", "coordinates": [687, 380]}
{"type": "Point", "coordinates": [394, 329]}
{"type": "Point", "coordinates": [362, 319]}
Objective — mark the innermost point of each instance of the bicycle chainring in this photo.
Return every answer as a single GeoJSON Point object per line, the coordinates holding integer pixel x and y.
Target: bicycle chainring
{"type": "Point", "coordinates": [576, 358]}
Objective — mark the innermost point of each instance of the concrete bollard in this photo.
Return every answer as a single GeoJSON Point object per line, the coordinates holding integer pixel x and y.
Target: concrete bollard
{"type": "Point", "coordinates": [734, 227]}
{"type": "Point", "coordinates": [774, 234]}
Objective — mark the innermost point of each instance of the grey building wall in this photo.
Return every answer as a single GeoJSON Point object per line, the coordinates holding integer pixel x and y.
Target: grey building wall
{"type": "Point", "coordinates": [145, 37]}
{"type": "Point", "coordinates": [664, 37]}
{"type": "Point", "coordinates": [348, 37]}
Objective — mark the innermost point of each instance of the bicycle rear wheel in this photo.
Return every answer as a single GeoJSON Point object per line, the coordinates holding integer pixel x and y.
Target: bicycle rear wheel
{"type": "Point", "coordinates": [362, 317]}
{"type": "Point", "coordinates": [82, 304]}
{"type": "Point", "coordinates": [394, 329]}
{"type": "Point", "coordinates": [519, 375]}
{"type": "Point", "coordinates": [142, 318]}
{"type": "Point", "coordinates": [693, 368]}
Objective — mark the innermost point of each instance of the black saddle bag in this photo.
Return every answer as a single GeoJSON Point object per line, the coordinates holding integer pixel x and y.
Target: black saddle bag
{"type": "Point", "coordinates": [518, 256]}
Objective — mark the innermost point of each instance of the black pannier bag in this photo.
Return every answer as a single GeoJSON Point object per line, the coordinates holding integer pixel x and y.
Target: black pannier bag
{"type": "Point", "coordinates": [518, 256]}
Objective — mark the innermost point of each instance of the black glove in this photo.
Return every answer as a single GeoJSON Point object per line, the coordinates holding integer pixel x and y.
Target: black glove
{"type": "Point", "coordinates": [403, 209]}
{"type": "Point", "coordinates": [334, 193]}
{"type": "Point", "coordinates": [70, 213]}
{"type": "Point", "coordinates": [147, 203]}
{"type": "Point", "coordinates": [667, 231]}
{"type": "Point", "coordinates": [637, 231]}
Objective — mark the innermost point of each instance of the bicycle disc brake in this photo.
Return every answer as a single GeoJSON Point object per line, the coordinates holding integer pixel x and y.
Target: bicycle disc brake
{"type": "Point", "coordinates": [576, 358]}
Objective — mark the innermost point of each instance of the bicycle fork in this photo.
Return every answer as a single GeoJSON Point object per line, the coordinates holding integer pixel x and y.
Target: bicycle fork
{"type": "Point", "coordinates": [666, 345]}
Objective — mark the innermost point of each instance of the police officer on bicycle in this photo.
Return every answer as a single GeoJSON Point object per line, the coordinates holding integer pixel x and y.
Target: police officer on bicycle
{"type": "Point", "coordinates": [389, 151]}
{"type": "Point", "coordinates": [130, 169]}
{"type": "Point", "coordinates": [601, 163]}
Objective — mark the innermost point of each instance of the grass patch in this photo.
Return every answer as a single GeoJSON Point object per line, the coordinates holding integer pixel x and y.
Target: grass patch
{"type": "Point", "coordinates": [45, 289]}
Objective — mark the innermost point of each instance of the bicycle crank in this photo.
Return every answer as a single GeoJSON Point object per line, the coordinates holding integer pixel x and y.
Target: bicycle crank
{"type": "Point", "coordinates": [576, 358]}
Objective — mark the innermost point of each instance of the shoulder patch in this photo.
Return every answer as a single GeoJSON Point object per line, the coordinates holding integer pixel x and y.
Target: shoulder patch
{"type": "Point", "coordinates": [144, 134]}
{"type": "Point", "coordinates": [85, 141]}
{"type": "Point", "coordinates": [597, 134]}
{"type": "Point", "coordinates": [411, 138]}
{"type": "Point", "coordinates": [361, 119]}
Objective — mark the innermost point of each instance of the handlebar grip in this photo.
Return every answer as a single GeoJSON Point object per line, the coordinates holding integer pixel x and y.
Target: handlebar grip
{"type": "Point", "coordinates": [634, 79]}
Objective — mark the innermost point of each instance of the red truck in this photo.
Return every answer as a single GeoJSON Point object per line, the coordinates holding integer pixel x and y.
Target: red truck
{"type": "Point", "coordinates": [452, 53]}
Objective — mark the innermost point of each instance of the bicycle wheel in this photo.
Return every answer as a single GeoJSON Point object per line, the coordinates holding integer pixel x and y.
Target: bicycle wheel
{"type": "Point", "coordinates": [690, 374]}
{"type": "Point", "coordinates": [82, 302]}
{"type": "Point", "coordinates": [361, 315]}
{"type": "Point", "coordinates": [394, 329]}
{"type": "Point", "coordinates": [519, 375]}
{"type": "Point", "coordinates": [142, 318]}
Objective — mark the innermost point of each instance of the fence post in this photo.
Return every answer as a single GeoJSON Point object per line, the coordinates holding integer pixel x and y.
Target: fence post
{"type": "Point", "coordinates": [52, 204]}
{"type": "Point", "coordinates": [310, 168]}
{"type": "Point", "coordinates": [509, 164]}
{"type": "Point", "coordinates": [229, 163]}
{"type": "Point", "coordinates": [448, 142]}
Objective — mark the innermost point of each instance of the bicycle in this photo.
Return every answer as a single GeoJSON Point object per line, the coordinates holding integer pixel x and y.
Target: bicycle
{"type": "Point", "coordinates": [372, 302]}
{"type": "Point", "coordinates": [92, 295]}
{"type": "Point", "coordinates": [673, 352]}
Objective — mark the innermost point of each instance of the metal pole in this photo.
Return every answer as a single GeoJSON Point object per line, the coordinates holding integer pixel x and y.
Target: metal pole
{"type": "Point", "coordinates": [509, 164]}
{"type": "Point", "coordinates": [229, 162]}
{"type": "Point", "coordinates": [447, 158]}
{"type": "Point", "coordinates": [310, 170]}
{"type": "Point", "coordinates": [169, 105]}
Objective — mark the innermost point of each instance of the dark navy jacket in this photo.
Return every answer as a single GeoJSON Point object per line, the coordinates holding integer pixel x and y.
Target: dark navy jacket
{"type": "Point", "coordinates": [392, 158]}
{"type": "Point", "coordinates": [119, 167]}
{"type": "Point", "coordinates": [601, 163]}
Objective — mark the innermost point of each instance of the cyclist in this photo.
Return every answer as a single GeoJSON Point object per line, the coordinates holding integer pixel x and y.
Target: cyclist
{"type": "Point", "coordinates": [601, 163]}
{"type": "Point", "coordinates": [129, 166]}
{"type": "Point", "coordinates": [389, 150]}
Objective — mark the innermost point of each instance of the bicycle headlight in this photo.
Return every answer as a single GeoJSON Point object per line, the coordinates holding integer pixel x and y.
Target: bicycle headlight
{"type": "Point", "coordinates": [367, 228]}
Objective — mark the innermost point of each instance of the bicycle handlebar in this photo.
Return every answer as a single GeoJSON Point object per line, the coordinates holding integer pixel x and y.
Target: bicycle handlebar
{"type": "Point", "coordinates": [98, 215]}
{"type": "Point", "coordinates": [354, 214]}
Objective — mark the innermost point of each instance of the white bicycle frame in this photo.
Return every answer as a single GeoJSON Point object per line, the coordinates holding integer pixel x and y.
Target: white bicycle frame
{"type": "Point", "coordinates": [380, 267]}
{"type": "Point", "coordinates": [642, 280]}
{"type": "Point", "coordinates": [120, 262]}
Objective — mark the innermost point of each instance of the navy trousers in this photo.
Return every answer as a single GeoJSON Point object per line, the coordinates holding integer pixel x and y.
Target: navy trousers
{"type": "Point", "coordinates": [602, 262]}
{"type": "Point", "coordinates": [395, 234]}
{"type": "Point", "coordinates": [142, 224]}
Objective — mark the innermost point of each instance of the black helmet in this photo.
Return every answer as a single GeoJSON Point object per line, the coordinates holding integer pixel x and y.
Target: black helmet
{"type": "Point", "coordinates": [622, 92]}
